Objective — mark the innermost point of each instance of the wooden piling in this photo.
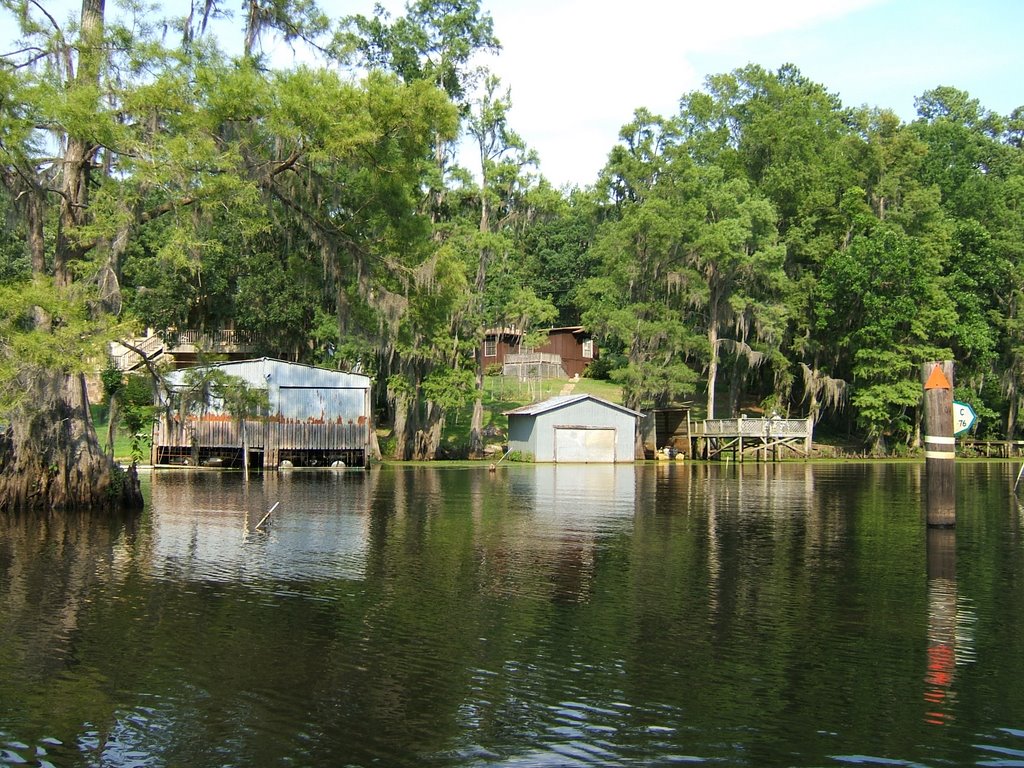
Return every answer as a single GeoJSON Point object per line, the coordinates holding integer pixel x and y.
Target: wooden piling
{"type": "Point", "coordinates": [939, 443]}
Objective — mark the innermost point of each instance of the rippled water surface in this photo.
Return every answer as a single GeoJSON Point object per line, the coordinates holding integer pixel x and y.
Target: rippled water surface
{"type": "Point", "coordinates": [752, 615]}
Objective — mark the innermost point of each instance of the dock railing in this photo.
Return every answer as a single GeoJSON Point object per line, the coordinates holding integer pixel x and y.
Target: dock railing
{"type": "Point", "coordinates": [713, 437]}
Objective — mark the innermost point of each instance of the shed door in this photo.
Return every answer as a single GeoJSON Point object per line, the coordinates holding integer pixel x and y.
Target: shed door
{"type": "Point", "coordinates": [582, 444]}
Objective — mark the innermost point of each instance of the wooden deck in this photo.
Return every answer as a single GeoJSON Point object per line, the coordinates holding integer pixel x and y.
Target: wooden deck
{"type": "Point", "coordinates": [758, 439]}
{"type": "Point", "coordinates": [182, 349]}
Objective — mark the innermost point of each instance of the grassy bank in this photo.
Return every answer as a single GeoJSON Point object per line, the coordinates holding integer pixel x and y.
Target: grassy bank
{"type": "Point", "coordinates": [122, 440]}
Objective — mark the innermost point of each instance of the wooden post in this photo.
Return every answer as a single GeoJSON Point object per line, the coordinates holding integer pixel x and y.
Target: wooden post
{"type": "Point", "coordinates": [939, 443]}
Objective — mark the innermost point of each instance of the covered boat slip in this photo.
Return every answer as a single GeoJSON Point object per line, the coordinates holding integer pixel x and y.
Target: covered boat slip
{"type": "Point", "coordinates": [573, 429]}
{"type": "Point", "coordinates": [754, 438]}
{"type": "Point", "coordinates": [316, 418]}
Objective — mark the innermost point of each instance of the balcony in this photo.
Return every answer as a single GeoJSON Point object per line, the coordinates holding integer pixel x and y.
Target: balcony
{"type": "Point", "coordinates": [183, 349]}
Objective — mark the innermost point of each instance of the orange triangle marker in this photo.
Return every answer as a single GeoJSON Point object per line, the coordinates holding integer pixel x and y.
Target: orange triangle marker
{"type": "Point", "coordinates": [937, 380]}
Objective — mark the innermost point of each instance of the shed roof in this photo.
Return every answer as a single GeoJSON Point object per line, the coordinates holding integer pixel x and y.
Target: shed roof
{"type": "Point", "coordinates": [562, 401]}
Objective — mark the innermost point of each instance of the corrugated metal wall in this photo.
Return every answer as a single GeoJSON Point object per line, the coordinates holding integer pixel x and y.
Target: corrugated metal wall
{"type": "Point", "coordinates": [311, 409]}
{"type": "Point", "coordinates": [299, 392]}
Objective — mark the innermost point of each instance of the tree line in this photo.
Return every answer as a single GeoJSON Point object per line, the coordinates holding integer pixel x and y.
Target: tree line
{"type": "Point", "coordinates": [765, 244]}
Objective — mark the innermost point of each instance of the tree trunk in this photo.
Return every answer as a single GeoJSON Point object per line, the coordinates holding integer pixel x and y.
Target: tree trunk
{"type": "Point", "coordinates": [76, 164]}
{"type": "Point", "coordinates": [428, 437]}
{"type": "Point", "coordinates": [1011, 412]}
{"type": "Point", "coordinates": [736, 383]}
{"type": "Point", "coordinates": [712, 368]}
{"type": "Point", "coordinates": [51, 459]}
{"type": "Point", "coordinates": [400, 426]}
{"type": "Point", "coordinates": [50, 456]}
{"type": "Point", "coordinates": [35, 216]}
{"type": "Point", "coordinates": [113, 417]}
{"type": "Point", "coordinates": [476, 426]}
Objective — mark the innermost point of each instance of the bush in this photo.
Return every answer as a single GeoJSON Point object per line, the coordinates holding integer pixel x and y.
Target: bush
{"type": "Point", "coordinates": [602, 367]}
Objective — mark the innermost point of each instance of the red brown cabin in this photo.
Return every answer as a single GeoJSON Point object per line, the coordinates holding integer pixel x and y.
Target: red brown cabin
{"type": "Point", "coordinates": [567, 352]}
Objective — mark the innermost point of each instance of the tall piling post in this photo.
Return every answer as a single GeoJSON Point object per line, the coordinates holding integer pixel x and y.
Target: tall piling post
{"type": "Point", "coordinates": [939, 443]}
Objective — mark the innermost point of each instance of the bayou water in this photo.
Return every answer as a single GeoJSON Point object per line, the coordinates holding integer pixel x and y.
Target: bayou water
{"type": "Point", "coordinates": [754, 615]}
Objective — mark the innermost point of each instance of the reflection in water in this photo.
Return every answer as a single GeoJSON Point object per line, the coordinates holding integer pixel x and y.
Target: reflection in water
{"type": "Point", "coordinates": [208, 525]}
{"type": "Point", "coordinates": [942, 625]}
{"type": "Point", "coordinates": [743, 615]}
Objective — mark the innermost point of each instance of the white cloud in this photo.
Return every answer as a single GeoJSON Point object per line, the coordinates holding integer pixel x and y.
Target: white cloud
{"type": "Point", "coordinates": [579, 69]}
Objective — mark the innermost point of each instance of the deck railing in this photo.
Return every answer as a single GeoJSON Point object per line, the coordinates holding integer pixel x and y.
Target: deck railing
{"type": "Point", "coordinates": [126, 359]}
{"type": "Point", "coordinates": [544, 365]}
{"type": "Point", "coordinates": [534, 357]}
{"type": "Point", "coordinates": [754, 428]}
{"type": "Point", "coordinates": [186, 342]}
{"type": "Point", "coordinates": [214, 340]}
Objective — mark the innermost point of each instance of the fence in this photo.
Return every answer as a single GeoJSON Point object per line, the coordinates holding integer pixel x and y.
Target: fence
{"type": "Point", "coordinates": [533, 365]}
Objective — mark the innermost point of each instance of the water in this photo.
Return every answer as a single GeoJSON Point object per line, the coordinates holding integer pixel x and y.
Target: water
{"type": "Point", "coordinates": [747, 615]}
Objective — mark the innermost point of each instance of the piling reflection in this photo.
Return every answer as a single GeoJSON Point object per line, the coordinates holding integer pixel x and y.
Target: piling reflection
{"type": "Point", "coordinates": [942, 626]}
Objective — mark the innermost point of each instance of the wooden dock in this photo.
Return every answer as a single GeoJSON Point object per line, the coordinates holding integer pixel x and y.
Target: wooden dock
{"type": "Point", "coordinates": [757, 439]}
{"type": "Point", "coordinates": [999, 449]}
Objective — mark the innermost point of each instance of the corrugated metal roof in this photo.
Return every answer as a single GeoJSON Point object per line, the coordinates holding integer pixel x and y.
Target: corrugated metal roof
{"type": "Point", "coordinates": [561, 401]}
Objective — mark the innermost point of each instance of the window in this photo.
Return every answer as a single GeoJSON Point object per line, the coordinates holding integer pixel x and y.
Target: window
{"type": "Point", "coordinates": [588, 348]}
{"type": "Point", "coordinates": [490, 346]}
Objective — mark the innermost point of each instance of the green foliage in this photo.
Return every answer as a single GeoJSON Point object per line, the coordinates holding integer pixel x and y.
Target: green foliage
{"type": "Point", "coordinates": [433, 42]}
{"type": "Point", "coordinates": [46, 328]}
{"type": "Point", "coordinates": [208, 387]}
{"type": "Point", "coordinates": [762, 231]}
{"type": "Point", "coordinates": [450, 389]}
{"type": "Point", "coordinates": [883, 305]}
{"type": "Point", "coordinates": [112, 379]}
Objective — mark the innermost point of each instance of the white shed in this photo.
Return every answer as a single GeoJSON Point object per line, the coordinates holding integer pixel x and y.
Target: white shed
{"type": "Point", "coordinates": [573, 428]}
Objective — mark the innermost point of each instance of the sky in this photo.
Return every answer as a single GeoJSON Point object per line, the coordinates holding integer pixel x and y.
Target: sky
{"type": "Point", "coordinates": [578, 69]}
